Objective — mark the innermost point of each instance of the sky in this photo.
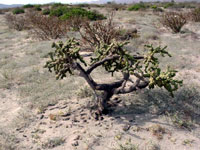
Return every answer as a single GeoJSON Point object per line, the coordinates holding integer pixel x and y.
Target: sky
{"type": "Point", "coordinates": [41, 1]}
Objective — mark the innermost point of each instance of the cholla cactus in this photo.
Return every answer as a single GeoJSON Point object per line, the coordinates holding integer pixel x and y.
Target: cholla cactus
{"type": "Point", "coordinates": [114, 58]}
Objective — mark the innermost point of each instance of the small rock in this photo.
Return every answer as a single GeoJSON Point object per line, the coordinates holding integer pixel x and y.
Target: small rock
{"type": "Point", "coordinates": [66, 119]}
{"type": "Point", "coordinates": [126, 127]}
{"type": "Point", "coordinates": [43, 123]}
{"type": "Point", "coordinates": [112, 119]}
{"type": "Point", "coordinates": [42, 116]}
{"type": "Point", "coordinates": [69, 126]}
{"type": "Point", "coordinates": [59, 125]}
{"type": "Point", "coordinates": [83, 114]}
{"type": "Point", "coordinates": [66, 115]}
{"type": "Point", "coordinates": [117, 117]}
{"type": "Point", "coordinates": [78, 137]}
{"type": "Point", "coordinates": [75, 120]}
{"type": "Point", "coordinates": [21, 131]}
{"type": "Point", "coordinates": [75, 143]}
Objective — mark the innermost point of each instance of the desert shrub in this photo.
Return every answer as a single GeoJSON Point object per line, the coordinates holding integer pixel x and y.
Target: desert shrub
{"type": "Point", "coordinates": [37, 7]}
{"type": "Point", "coordinates": [16, 22]}
{"type": "Point", "coordinates": [83, 5]}
{"type": "Point", "coordinates": [53, 142]}
{"type": "Point", "coordinates": [154, 6]}
{"type": "Point", "coordinates": [28, 6]}
{"type": "Point", "coordinates": [136, 7]}
{"type": "Point", "coordinates": [195, 15]}
{"type": "Point", "coordinates": [173, 20]}
{"type": "Point", "coordinates": [75, 23]}
{"type": "Point", "coordinates": [5, 10]}
{"type": "Point", "coordinates": [100, 31]}
{"type": "Point", "coordinates": [168, 5]}
{"type": "Point", "coordinates": [58, 11]}
{"type": "Point", "coordinates": [46, 27]}
{"type": "Point", "coordinates": [85, 92]}
{"type": "Point", "coordinates": [18, 11]}
{"type": "Point", "coordinates": [116, 7]}
{"type": "Point", "coordinates": [46, 12]}
{"type": "Point", "coordinates": [82, 13]}
{"type": "Point", "coordinates": [66, 13]}
{"type": "Point", "coordinates": [1, 12]}
{"type": "Point", "coordinates": [57, 5]}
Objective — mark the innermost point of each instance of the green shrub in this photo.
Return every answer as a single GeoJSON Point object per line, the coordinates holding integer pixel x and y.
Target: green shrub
{"type": "Point", "coordinates": [59, 11]}
{"type": "Point", "coordinates": [18, 11]}
{"type": "Point", "coordinates": [154, 6]}
{"type": "Point", "coordinates": [57, 5]}
{"type": "Point", "coordinates": [28, 6]}
{"type": "Point", "coordinates": [137, 7]}
{"type": "Point", "coordinates": [66, 13]}
{"type": "Point", "coordinates": [37, 7]}
{"type": "Point", "coordinates": [46, 12]}
{"type": "Point", "coordinates": [167, 5]}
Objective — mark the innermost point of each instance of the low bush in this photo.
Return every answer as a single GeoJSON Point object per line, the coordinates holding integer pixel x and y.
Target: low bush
{"type": "Point", "coordinates": [45, 27]}
{"type": "Point", "coordinates": [46, 12]}
{"type": "Point", "coordinates": [28, 6]}
{"type": "Point", "coordinates": [173, 20]}
{"type": "Point", "coordinates": [75, 23]}
{"type": "Point", "coordinates": [168, 5]}
{"type": "Point", "coordinates": [58, 11]}
{"type": "Point", "coordinates": [4, 10]}
{"type": "Point", "coordinates": [136, 7]}
{"type": "Point", "coordinates": [116, 7]}
{"type": "Point", "coordinates": [66, 13]}
{"type": "Point", "coordinates": [57, 5]}
{"type": "Point", "coordinates": [16, 22]}
{"type": "Point", "coordinates": [195, 15]}
{"type": "Point", "coordinates": [18, 11]}
{"type": "Point", "coordinates": [37, 7]}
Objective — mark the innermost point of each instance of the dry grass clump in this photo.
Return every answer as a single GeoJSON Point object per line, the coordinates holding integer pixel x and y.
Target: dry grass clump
{"type": "Point", "coordinates": [157, 131]}
{"type": "Point", "coordinates": [174, 20]}
{"type": "Point", "coordinates": [46, 28]}
{"type": "Point", "coordinates": [16, 22]}
{"type": "Point", "coordinates": [53, 142]}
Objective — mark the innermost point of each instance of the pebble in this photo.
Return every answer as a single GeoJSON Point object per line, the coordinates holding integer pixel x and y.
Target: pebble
{"type": "Point", "coordinates": [66, 119]}
{"type": "Point", "coordinates": [42, 116]}
{"type": "Point", "coordinates": [78, 137]}
{"type": "Point", "coordinates": [75, 143]}
{"type": "Point", "coordinates": [126, 127]}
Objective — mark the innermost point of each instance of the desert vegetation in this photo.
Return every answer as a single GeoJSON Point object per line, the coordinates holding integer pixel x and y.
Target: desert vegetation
{"type": "Point", "coordinates": [91, 76]}
{"type": "Point", "coordinates": [174, 21]}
